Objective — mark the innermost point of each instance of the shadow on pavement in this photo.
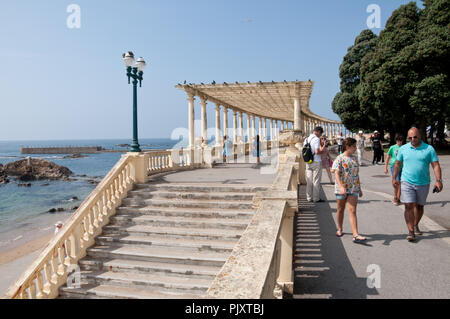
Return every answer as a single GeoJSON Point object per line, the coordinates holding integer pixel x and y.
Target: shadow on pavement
{"type": "Point", "coordinates": [322, 268]}
{"type": "Point", "coordinates": [388, 238]}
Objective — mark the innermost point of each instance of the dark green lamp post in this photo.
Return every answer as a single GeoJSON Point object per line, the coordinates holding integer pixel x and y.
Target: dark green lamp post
{"type": "Point", "coordinates": [136, 73]}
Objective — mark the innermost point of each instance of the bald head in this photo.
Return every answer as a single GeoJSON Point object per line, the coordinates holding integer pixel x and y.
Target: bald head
{"type": "Point", "coordinates": [414, 136]}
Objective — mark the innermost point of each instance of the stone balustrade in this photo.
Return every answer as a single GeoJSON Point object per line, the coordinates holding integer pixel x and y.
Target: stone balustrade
{"type": "Point", "coordinates": [59, 258]}
{"type": "Point", "coordinates": [54, 264]}
{"type": "Point", "coordinates": [260, 265]}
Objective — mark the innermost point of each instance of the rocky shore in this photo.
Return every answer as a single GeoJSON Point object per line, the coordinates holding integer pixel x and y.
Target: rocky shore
{"type": "Point", "coordinates": [33, 169]}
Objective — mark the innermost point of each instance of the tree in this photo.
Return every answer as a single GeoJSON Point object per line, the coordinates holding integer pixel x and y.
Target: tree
{"type": "Point", "coordinates": [431, 97]}
{"type": "Point", "coordinates": [346, 103]}
{"type": "Point", "coordinates": [387, 74]}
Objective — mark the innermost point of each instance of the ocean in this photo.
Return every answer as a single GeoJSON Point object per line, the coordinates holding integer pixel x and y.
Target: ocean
{"type": "Point", "coordinates": [24, 210]}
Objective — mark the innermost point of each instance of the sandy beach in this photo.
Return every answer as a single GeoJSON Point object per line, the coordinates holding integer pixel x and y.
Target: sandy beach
{"type": "Point", "coordinates": [14, 262]}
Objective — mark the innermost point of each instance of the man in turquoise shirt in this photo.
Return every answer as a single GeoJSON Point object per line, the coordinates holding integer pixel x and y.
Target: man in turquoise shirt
{"type": "Point", "coordinates": [416, 157]}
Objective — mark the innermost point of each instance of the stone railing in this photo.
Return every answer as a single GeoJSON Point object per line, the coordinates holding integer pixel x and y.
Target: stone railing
{"type": "Point", "coordinates": [52, 268]}
{"type": "Point", "coordinates": [260, 265]}
{"type": "Point", "coordinates": [59, 258]}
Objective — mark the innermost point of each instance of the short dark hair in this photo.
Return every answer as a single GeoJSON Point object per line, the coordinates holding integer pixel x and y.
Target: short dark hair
{"type": "Point", "coordinates": [348, 142]}
{"type": "Point", "coordinates": [398, 137]}
{"type": "Point", "coordinates": [318, 129]}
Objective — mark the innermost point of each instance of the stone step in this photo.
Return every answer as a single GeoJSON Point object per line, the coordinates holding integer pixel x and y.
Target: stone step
{"type": "Point", "coordinates": [158, 254]}
{"type": "Point", "coordinates": [179, 222]}
{"type": "Point", "coordinates": [120, 292]}
{"type": "Point", "coordinates": [201, 187]}
{"type": "Point", "coordinates": [162, 241]}
{"type": "Point", "coordinates": [187, 212]}
{"type": "Point", "coordinates": [186, 203]}
{"type": "Point", "coordinates": [175, 232]}
{"type": "Point", "coordinates": [195, 286]}
{"type": "Point", "coordinates": [145, 267]}
{"type": "Point", "coordinates": [222, 196]}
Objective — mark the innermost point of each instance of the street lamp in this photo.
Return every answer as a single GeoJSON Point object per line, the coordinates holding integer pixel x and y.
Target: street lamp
{"type": "Point", "coordinates": [136, 73]}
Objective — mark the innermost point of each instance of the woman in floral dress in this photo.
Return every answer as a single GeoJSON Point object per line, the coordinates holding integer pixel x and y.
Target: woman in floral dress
{"type": "Point", "coordinates": [347, 187]}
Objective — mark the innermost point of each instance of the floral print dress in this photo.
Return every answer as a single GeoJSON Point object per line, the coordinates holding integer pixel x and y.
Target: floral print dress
{"type": "Point", "coordinates": [348, 168]}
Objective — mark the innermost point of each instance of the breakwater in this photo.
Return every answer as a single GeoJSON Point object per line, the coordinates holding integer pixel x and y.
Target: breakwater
{"type": "Point", "coordinates": [61, 150]}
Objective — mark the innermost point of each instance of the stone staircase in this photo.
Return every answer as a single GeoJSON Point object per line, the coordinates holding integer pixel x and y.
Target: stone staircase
{"type": "Point", "coordinates": [167, 241]}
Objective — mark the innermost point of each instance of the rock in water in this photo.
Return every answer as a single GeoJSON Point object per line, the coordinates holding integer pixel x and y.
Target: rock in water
{"type": "Point", "coordinates": [38, 170]}
{"type": "Point", "coordinates": [3, 177]}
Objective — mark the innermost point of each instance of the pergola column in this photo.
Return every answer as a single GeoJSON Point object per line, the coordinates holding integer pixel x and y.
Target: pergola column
{"type": "Point", "coordinates": [235, 127]}
{"type": "Point", "coordinates": [248, 128]}
{"type": "Point", "coordinates": [253, 127]}
{"type": "Point", "coordinates": [260, 133]}
{"type": "Point", "coordinates": [204, 121]}
{"type": "Point", "coordinates": [191, 120]}
{"type": "Point", "coordinates": [241, 125]}
{"type": "Point", "coordinates": [276, 129]}
{"type": "Point", "coordinates": [225, 122]}
{"type": "Point", "coordinates": [218, 137]}
{"type": "Point", "coordinates": [297, 114]}
{"type": "Point", "coordinates": [271, 129]}
{"type": "Point", "coordinates": [264, 129]}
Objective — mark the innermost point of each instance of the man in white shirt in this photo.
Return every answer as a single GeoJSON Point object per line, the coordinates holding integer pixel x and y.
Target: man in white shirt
{"type": "Point", "coordinates": [314, 170]}
{"type": "Point", "coordinates": [360, 140]}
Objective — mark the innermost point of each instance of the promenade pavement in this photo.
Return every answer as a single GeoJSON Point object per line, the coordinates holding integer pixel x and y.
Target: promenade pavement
{"type": "Point", "coordinates": [327, 266]}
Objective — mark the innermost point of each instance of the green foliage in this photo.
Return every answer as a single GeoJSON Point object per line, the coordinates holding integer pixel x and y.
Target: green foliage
{"type": "Point", "coordinates": [400, 78]}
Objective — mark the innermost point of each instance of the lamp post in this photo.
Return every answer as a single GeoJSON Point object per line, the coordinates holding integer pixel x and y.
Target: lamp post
{"type": "Point", "coordinates": [136, 73]}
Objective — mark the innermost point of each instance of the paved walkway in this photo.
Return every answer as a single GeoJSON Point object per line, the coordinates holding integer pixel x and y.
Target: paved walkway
{"type": "Point", "coordinates": [330, 267]}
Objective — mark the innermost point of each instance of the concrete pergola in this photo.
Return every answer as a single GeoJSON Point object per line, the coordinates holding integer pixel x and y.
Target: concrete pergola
{"type": "Point", "coordinates": [284, 102]}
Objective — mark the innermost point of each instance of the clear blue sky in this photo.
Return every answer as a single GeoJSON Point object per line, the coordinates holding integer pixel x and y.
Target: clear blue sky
{"type": "Point", "coordinates": [61, 83]}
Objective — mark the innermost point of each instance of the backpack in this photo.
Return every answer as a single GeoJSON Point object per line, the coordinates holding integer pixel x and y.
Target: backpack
{"type": "Point", "coordinates": [307, 154]}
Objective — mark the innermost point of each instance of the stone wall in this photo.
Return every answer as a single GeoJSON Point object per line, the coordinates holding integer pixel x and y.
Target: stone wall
{"type": "Point", "coordinates": [60, 150]}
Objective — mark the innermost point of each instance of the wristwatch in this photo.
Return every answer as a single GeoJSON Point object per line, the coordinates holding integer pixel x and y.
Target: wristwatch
{"type": "Point", "coordinates": [439, 181]}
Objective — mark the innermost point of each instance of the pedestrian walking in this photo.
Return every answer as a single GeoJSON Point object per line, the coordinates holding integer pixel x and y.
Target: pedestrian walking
{"type": "Point", "coordinates": [340, 140]}
{"type": "Point", "coordinates": [391, 159]}
{"type": "Point", "coordinates": [347, 188]}
{"type": "Point", "coordinates": [314, 169]}
{"type": "Point", "coordinates": [416, 157]}
{"type": "Point", "coordinates": [326, 159]}
{"type": "Point", "coordinates": [376, 147]}
{"type": "Point", "coordinates": [225, 149]}
{"type": "Point", "coordinates": [360, 143]}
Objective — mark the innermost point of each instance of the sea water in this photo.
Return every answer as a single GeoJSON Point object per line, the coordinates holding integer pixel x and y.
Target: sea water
{"type": "Point", "coordinates": [24, 210]}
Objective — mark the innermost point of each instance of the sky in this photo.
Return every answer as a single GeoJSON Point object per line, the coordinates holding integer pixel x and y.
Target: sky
{"type": "Point", "coordinates": [61, 83]}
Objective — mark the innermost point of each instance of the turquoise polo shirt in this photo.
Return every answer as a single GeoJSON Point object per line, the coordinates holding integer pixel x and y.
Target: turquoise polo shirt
{"type": "Point", "coordinates": [416, 163]}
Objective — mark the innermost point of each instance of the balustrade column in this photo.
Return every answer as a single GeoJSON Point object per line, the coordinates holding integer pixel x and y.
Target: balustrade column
{"type": "Point", "coordinates": [191, 120]}
{"type": "Point", "coordinates": [218, 125]}
{"type": "Point", "coordinates": [204, 122]}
